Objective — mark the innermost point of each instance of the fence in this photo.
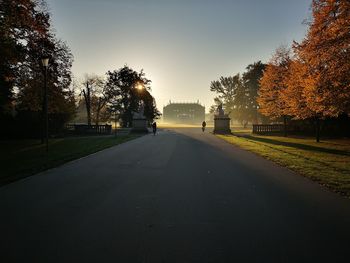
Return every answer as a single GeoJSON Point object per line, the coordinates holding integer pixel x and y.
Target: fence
{"type": "Point", "coordinates": [268, 128]}
{"type": "Point", "coordinates": [84, 129]}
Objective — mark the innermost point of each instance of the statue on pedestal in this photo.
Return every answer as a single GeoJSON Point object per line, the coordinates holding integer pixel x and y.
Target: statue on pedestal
{"type": "Point", "coordinates": [140, 113]}
{"type": "Point", "coordinates": [219, 111]}
{"type": "Point", "coordinates": [221, 121]}
{"type": "Point", "coordinates": [139, 123]}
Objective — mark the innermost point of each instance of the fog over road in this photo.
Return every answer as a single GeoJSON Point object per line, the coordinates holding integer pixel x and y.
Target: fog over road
{"type": "Point", "coordinates": [180, 196]}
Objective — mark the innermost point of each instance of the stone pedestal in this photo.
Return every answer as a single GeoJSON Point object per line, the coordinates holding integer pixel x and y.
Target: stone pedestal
{"type": "Point", "coordinates": [222, 124]}
{"type": "Point", "coordinates": [139, 125]}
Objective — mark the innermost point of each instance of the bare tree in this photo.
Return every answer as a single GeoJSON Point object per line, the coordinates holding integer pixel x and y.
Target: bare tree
{"type": "Point", "coordinates": [95, 98]}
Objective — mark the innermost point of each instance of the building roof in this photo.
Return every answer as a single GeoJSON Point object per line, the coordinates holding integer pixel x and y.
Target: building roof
{"type": "Point", "coordinates": [184, 103]}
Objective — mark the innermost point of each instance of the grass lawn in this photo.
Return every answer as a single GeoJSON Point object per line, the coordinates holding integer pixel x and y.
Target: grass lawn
{"type": "Point", "coordinates": [327, 162]}
{"type": "Point", "coordinates": [21, 158]}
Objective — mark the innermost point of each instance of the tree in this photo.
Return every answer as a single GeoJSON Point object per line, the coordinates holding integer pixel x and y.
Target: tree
{"type": "Point", "coordinates": [151, 112]}
{"type": "Point", "coordinates": [225, 87]}
{"type": "Point", "coordinates": [20, 20]}
{"type": "Point", "coordinates": [325, 59]}
{"type": "Point", "coordinates": [240, 109]}
{"type": "Point", "coordinates": [238, 94]}
{"type": "Point", "coordinates": [272, 86]}
{"type": "Point", "coordinates": [295, 95]}
{"type": "Point", "coordinates": [251, 82]}
{"type": "Point", "coordinates": [125, 97]}
{"type": "Point", "coordinates": [30, 83]}
{"type": "Point", "coordinates": [96, 98]}
{"type": "Point", "coordinates": [26, 32]}
{"type": "Point", "coordinates": [326, 52]}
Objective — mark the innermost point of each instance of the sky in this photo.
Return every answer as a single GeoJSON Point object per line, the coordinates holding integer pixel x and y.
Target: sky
{"type": "Point", "coordinates": [182, 45]}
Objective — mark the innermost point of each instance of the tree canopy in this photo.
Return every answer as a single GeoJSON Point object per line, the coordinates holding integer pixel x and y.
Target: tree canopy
{"type": "Point", "coordinates": [125, 97]}
{"type": "Point", "coordinates": [26, 35]}
{"type": "Point", "coordinates": [238, 93]}
{"type": "Point", "coordinates": [314, 81]}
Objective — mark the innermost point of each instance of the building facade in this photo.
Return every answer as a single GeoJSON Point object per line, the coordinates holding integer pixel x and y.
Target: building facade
{"type": "Point", "coordinates": [184, 113]}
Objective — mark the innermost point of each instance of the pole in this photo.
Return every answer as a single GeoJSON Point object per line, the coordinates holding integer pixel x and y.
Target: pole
{"type": "Point", "coordinates": [42, 135]}
{"type": "Point", "coordinates": [46, 113]}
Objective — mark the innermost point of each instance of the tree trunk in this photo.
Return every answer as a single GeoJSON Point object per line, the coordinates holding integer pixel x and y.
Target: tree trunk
{"type": "Point", "coordinates": [88, 103]}
{"type": "Point", "coordinates": [285, 125]}
{"type": "Point", "coordinates": [97, 117]}
{"type": "Point", "coordinates": [99, 108]}
{"type": "Point", "coordinates": [317, 129]}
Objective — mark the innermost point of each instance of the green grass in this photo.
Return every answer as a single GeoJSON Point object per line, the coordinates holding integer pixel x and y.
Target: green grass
{"type": "Point", "coordinates": [22, 158]}
{"type": "Point", "coordinates": [327, 162]}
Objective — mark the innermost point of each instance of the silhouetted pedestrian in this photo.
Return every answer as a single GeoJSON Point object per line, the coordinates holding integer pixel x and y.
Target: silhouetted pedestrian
{"type": "Point", "coordinates": [154, 126]}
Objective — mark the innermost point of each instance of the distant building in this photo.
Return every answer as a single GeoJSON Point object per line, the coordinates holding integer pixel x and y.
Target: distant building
{"type": "Point", "coordinates": [185, 113]}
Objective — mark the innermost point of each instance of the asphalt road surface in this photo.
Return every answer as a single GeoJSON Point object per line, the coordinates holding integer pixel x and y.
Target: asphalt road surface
{"type": "Point", "coordinates": [180, 196]}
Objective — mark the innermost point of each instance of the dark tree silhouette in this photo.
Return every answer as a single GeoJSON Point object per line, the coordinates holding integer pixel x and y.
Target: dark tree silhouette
{"type": "Point", "coordinates": [251, 82]}
{"type": "Point", "coordinates": [25, 37]}
{"type": "Point", "coordinates": [125, 97]}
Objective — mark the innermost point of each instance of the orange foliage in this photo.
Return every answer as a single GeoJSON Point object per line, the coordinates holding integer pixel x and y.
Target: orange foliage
{"type": "Point", "coordinates": [326, 52]}
{"type": "Point", "coordinates": [272, 85]}
{"type": "Point", "coordinates": [316, 83]}
{"type": "Point", "coordinates": [296, 95]}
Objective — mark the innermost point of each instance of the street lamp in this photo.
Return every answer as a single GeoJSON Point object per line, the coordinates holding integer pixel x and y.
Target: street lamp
{"type": "Point", "coordinates": [45, 63]}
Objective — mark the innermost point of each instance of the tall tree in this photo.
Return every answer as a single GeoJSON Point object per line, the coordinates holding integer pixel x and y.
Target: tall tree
{"type": "Point", "coordinates": [325, 57]}
{"type": "Point", "coordinates": [295, 95]}
{"type": "Point", "coordinates": [20, 20]}
{"type": "Point", "coordinates": [26, 31]}
{"type": "Point", "coordinates": [225, 87]}
{"type": "Point", "coordinates": [272, 85]}
{"type": "Point", "coordinates": [241, 102]}
{"type": "Point", "coordinates": [125, 98]}
{"type": "Point", "coordinates": [251, 81]}
{"type": "Point", "coordinates": [96, 98]}
{"type": "Point", "coordinates": [326, 52]}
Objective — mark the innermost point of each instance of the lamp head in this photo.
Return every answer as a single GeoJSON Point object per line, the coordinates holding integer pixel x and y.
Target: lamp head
{"type": "Point", "coordinates": [45, 61]}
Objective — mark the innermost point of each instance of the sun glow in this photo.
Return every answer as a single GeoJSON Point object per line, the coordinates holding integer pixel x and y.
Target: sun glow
{"type": "Point", "coordinates": [139, 86]}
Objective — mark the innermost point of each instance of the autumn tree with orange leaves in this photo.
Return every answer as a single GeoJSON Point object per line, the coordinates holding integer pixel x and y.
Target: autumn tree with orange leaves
{"type": "Point", "coordinates": [315, 84]}
{"type": "Point", "coordinates": [272, 85]}
{"type": "Point", "coordinates": [325, 55]}
{"type": "Point", "coordinates": [326, 52]}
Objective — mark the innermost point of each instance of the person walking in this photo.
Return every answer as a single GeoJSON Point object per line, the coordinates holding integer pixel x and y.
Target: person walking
{"type": "Point", "coordinates": [154, 127]}
{"type": "Point", "coordinates": [204, 124]}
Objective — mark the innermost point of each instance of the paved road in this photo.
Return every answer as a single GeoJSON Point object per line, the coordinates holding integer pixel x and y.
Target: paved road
{"type": "Point", "coordinates": [180, 196]}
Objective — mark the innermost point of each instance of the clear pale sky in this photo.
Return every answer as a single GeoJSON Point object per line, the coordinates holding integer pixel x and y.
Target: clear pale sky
{"type": "Point", "coordinates": [182, 45]}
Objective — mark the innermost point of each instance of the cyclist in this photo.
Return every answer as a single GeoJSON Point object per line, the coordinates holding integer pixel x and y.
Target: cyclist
{"type": "Point", "coordinates": [203, 125]}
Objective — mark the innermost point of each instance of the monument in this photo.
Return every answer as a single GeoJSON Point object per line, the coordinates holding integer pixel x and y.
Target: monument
{"type": "Point", "coordinates": [221, 121]}
{"type": "Point", "coordinates": [139, 121]}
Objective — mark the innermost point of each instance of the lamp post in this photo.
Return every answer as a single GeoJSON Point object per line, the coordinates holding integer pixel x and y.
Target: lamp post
{"type": "Point", "coordinates": [115, 121]}
{"type": "Point", "coordinates": [45, 63]}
